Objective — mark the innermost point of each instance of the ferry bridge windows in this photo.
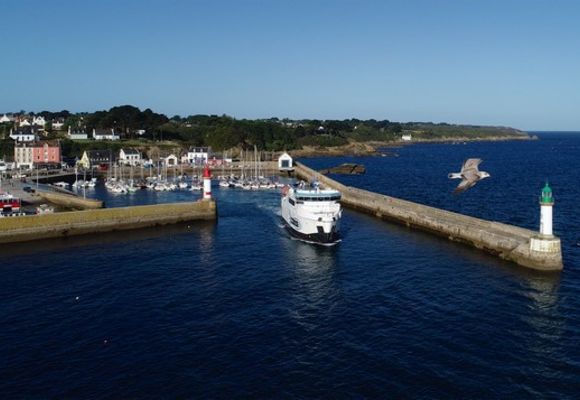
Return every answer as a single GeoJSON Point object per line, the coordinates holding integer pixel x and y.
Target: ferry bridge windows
{"type": "Point", "coordinates": [318, 198]}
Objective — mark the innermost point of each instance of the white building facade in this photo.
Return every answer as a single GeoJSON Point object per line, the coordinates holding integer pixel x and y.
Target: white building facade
{"type": "Point", "coordinates": [105, 135]}
{"type": "Point", "coordinates": [23, 155]}
{"type": "Point", "coordinates": [5, 118]}
{"type": "Point", "coordinates": [77, 134]}
{"type": "Point", "coordinates": [170, 161]}
{"type": "Point", "coordinates": [285, 162]}
{"type": "Point", "coordinates": [198, 155]}
{"type": "Point", "coordinates": [129, 157]}
{"type": "Point", "coordinates": [23, 136]}
{"type": "Point", "coordinates": [38, 121]}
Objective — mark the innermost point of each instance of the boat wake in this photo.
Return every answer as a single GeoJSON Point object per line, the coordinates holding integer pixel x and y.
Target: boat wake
{"type": "Point", "coordinates": [330, 244]}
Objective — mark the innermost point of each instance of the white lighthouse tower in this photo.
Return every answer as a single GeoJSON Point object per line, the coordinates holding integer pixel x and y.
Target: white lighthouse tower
{"type": "Point", "coordinates": [545, 243]}
{"type": "Point", "coordinates": [546, 204]}
{"type": "Point", "coordinates": [206, 183]}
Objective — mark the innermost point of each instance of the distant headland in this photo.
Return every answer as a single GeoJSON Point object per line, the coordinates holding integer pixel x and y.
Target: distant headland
{"type": "Point", "coordinates": [128, 126]}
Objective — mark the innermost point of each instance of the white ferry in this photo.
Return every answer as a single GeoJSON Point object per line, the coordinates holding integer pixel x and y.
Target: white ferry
{"type": "Point", "coordinates": [312, 214]}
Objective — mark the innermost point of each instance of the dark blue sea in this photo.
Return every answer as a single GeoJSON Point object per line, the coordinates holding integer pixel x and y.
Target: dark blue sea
{"type": "Point", "coordinates": [237, 309]}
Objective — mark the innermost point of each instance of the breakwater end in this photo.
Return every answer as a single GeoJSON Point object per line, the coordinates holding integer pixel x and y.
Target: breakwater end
{"type": "Point", "coordinates": [32, 227]}
{"type": "Point", "coordinates": [69, 200]}
{"type": "Point", "coordinates": [521, 246]}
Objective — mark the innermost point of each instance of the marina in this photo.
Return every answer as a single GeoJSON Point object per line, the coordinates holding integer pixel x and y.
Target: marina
{"type": "Point", "coordinates": [309, 213]}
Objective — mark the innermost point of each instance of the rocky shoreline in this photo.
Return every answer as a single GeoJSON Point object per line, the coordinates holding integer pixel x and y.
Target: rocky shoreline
{"type": "Point", "coordinates": [371, 149]}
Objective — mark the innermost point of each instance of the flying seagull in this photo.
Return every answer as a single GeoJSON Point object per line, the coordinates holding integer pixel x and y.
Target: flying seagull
{"type": "Point", "coordinates": [469, 174]}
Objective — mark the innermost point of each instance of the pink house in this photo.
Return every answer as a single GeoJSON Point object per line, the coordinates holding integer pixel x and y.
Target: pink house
{"type": "Point", "coordinates": [46, 153]}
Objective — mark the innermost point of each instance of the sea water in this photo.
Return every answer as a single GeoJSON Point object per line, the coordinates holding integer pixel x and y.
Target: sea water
{"type": "Point", "coordinates": [237, 309]}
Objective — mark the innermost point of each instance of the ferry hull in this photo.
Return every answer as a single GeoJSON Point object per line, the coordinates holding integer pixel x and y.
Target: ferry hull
{"type": "Point", "coordinates": [331, 237]}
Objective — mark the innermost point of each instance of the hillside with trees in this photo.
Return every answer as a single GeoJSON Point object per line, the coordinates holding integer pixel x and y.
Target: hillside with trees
{"type": "Point", "coordinates": [225, 132]}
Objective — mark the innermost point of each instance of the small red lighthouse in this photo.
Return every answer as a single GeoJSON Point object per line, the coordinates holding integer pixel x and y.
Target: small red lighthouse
{"type": "Point", "coordinates": [206, 183]}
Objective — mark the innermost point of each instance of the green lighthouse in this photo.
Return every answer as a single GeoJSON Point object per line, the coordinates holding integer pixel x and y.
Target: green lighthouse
{"type": "Point", "coordinates": [546, 204]}
{"type": "Point", "coordinates": [546, 197]}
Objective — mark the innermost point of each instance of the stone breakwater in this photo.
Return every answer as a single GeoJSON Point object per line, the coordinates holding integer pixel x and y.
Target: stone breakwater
{"type": "Point", "coordinates": [521, 246]}
{"type": "Point", "coordinates": [69, 201]}
{"type": "Point", "coordinates": [32, 227]}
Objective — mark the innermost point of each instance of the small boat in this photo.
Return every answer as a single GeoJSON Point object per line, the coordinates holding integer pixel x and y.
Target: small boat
{"type": "Point", "coordinates": [312, 214]}
{"type": "Point", "coordinates": [225, 183]}
{"type": "Point", "coordinates": [63, 185]}
{"type": "Point", "coordinates": [44, 209]}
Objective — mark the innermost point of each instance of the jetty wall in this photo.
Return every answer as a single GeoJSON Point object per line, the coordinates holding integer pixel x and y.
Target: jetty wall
{"type": "Point", "coordinates": [32, 227]}
{"type": "Point", "coordinates": [509, 242]}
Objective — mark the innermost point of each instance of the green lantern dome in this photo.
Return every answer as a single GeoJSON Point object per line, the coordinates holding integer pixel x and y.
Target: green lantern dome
{"type": "Point", "coordinates": [547, 195]}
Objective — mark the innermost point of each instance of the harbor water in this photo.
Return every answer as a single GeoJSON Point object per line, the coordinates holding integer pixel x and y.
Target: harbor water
{"type": "Point", "coordinates": [238, 309]}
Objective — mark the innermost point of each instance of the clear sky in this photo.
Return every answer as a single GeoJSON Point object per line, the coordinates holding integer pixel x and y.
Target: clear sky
{"type": "Point", "coordinates": [504, 62]}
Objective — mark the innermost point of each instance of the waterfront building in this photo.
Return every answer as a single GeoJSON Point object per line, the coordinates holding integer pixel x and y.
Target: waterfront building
{"type": "Point", "coordinates": [130, 157]}
{"type": "Point", "coordinates": [218, 160]}
{"type": "Point", "coordinates": [24, 122]}
{"type": "Point", "coordinates": [170, 161]}
{"type": "Point", "coordinates": [101, 159]}
{"type": "Point", "coordinates": [285, 162]}
{"type": "Point", "coordinates": [23, 155]}
{"type": "Point", "coordinates": [198, 155]}
{"type": "Point", "coordinates": [46, 153]}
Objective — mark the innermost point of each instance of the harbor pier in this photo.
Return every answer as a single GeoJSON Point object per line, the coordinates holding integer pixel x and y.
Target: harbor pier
{"type": "Point", "coordinates": [524, 247]}
{"type": "Point", "coordinates": [32, 227]}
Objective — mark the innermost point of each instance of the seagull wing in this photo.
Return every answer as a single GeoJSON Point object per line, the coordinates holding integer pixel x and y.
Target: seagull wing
{"type": "Point", "coordinates": [470, 178]}
{"type": "Point", "coordinates": [471, 163]}
{"type": "Point", "coordinates": [464, 185]}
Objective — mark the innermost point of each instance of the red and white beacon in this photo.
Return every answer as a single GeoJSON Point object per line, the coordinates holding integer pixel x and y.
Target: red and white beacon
{"type": "Point", "coordinates": [206, 183]}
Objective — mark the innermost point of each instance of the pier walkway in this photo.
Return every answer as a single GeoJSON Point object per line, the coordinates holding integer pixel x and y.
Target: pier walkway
{"type": "Point", "coordinates": [522, 246]}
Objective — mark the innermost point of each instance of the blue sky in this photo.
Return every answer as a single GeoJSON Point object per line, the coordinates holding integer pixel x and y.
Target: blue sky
{"type": "Point", "coordinates": [514, 63]}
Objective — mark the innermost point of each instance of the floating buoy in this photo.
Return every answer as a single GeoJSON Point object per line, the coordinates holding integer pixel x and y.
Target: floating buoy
{"type": "Point", "coordinates": [77, 298]}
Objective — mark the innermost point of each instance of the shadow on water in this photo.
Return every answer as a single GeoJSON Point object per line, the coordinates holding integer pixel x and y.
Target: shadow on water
{"type": "Point", "coordinates": [204, 228]}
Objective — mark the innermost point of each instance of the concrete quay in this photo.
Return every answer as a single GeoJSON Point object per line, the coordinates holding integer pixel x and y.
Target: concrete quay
{"type": "Point", "coordinates": [33, 227]}
{"type": "Point", "coordinates": [521, 246]}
